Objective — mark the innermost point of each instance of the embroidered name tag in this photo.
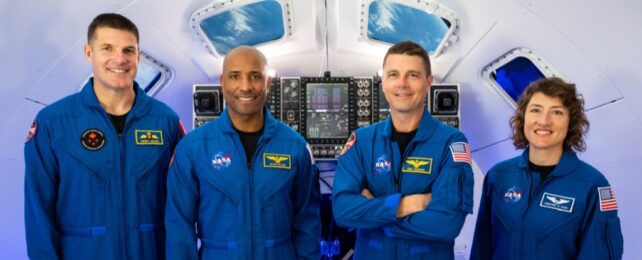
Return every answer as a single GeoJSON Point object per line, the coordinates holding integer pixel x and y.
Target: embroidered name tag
{"type": "Point", "coordinates": [273, 160]}
{"type": "Point", "coordinates": [149, 137]}
{"type": "Point", "coordinates": [417, 165]}
{"type": "Point", "coordinates": [557, 202]}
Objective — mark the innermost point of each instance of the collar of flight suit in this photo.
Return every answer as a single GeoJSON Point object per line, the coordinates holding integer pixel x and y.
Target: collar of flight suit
{"type": "Point", "coordinates": [567, 164]}
{"type": "Point", "coordinates": [425, 130]}
{"type": "Point", "coordinates": [141, 104]}
{"type": "Point", "coordinates": [269, 124]}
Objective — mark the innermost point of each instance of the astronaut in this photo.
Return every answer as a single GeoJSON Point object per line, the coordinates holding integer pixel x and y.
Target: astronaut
{"type": "Point", "coordinates": [245, 180]}
{"type": "Point", "coordinates": [405, 183]}
{"type": "Point", "coordinates": [96, 162]}
{"type": "Point", "coordinates": [547, 203]}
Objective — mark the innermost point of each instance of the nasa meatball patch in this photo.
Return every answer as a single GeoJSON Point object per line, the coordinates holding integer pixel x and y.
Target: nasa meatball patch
{"type": "Point", "coordinates": [513, 195]}
{"type": "Point", "coordinates": [32, 131]}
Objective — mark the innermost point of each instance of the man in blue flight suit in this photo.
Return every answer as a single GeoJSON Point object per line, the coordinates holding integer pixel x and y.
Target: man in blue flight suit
{"type": "Point", "coordinates": [245, 180]}
{"type": "Point", "coordinates": [405, 183]}
{"type": "Point", "coordinates": [96, 162]}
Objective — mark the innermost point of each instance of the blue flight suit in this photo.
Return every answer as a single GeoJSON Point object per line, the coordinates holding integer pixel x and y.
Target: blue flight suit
{"type": "Point", "coordinates": [572, 214]}
{"type": "Point", "coordinates": [429, 165]}
{"type": "Point", "coordinates": [265, 209]}
{"type": "Point", "coordinates": [100, 200]}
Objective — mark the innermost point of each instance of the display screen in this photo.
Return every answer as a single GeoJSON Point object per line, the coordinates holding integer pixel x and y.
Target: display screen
{"type": "Point", "coordinates": [327, 110]}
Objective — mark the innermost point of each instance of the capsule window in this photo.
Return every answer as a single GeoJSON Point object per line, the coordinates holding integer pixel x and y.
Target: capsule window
{"type": "Point", "coordinates": [228, 24]}
{"type": "Point", "coordinates": [429, 24]}
{"type": "Point", "coordinates": [511, 73]}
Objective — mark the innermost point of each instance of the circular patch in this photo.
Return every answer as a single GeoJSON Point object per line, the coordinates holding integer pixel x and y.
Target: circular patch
{"type": "Point", "coordinates": [513, 195]}
{"type": "Point", "coordinates": [382, 166]}
{"type": "Point", "coordinates": [93, 139]}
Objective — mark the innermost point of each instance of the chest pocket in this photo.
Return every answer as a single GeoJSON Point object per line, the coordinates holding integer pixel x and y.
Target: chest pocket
{"type": "Point", "coordinates": [507, 210]}
{"type": "Point", "coordinates": [548, 214]}
{"type": "Point", "coordinates": [227, 182]}
{"type": "Point", "coordinates": [418, 174]}
{"type": "Point", "coordinates": [100, 162]}
{"type": "Point", "coordinates": [274, 173]}
{"type": "Point", "coordinates": [145, 158]}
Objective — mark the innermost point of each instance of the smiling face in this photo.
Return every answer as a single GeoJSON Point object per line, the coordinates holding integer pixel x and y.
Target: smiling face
{"type": "Point", "coordinates": [245, 83]}
{"type": "Point", "coordinates": [405, 83]}
{"type": "Point", "coordinates": [114, 57]}
{"type": "Point", "coordinates": [546, 122]}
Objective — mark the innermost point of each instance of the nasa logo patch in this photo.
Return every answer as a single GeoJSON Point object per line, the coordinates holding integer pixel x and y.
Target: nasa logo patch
{"type": "Point", "coordinates": [93, 139]}
{"type": "Point", "coordinates": [513, 195]}
{"type": "Point", "coordinates": [382, 165]}
{"type": "Point", "coordinates": [221, 161]}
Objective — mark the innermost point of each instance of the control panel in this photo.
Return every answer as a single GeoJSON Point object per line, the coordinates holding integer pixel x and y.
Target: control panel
{"type": "Point", "coordinates": [330, 113]}
{"type": "Point", "coordinates": [325, 110]}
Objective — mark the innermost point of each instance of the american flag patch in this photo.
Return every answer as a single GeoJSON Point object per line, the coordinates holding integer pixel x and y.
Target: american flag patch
{"type": "Point", "coordinates": [607, 199]}
{"type": "Point", "coordinates": [461, 152]}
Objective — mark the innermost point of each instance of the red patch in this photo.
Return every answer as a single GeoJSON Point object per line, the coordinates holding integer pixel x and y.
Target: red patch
{"type": "Point", "coordinates": [32, 131]}
{"type": "Point", "coordinates": [181, 128]}
{"type": "Point", "coordinates": [351, 140]}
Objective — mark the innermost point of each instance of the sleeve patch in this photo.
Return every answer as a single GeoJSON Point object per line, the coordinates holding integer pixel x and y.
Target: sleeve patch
{"type": "Point", "coordinates": [307, 146]}
{"type": "Point", "coordinates": [349, 144]}
{"type": "Point", "coordinates": [607, 199]}
{"type": "Point", "coordinates": [181, 128]}
{"type": "Point", "coordinates": [461, 152]}
{"type": "Point", "coordinates": [32, 131]}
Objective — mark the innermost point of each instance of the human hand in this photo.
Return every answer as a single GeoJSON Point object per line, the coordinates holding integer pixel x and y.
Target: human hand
{"type": "Point", "coordinates": [410, 204]}
{"type": "Point", "coordinates": [366, 193]}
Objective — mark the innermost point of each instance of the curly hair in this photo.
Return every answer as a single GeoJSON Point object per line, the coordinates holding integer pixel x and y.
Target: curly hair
{"type": "Point", "coordinates": [553, 87]}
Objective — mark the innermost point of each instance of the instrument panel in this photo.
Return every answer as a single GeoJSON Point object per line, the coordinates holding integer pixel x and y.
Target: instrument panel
{"type": "Point", "coordinates": [325, 110]}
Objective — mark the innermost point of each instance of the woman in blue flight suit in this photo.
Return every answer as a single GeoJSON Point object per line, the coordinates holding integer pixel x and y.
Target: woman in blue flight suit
{"type": "Point", "coordinates": [547, 203]}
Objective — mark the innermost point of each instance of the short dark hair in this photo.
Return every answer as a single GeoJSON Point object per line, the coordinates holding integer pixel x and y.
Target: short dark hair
{"type": "Point", "coordinates": [412, 49]}
{"type": "Point", "coordinates": [578, 124]}
{"type": "Point", "coordinates": [111, 20]}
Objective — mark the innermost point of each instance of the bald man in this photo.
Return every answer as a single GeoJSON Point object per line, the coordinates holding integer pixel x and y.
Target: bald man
{"type": "Point", "coordinates": [243, 184]}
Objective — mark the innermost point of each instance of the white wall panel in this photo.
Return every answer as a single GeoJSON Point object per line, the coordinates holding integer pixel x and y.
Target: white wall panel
{"type": "Point", "coordinates": [12, 237]}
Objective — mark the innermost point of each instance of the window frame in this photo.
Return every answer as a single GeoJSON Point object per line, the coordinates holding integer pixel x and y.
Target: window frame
{"type": "Point", "coordinates": [221, 6]}
{"type": "Point", "coordinates": [429, 7]}
{"type": "Point", "coordinates": [541, 64]}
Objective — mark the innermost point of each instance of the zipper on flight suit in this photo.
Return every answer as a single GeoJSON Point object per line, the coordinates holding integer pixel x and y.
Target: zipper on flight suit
{"type": "Point", "coordinates": [251, 185]}
{"type": "Point", "coordinates": [531, 192]}
{"type": "Point", "coordinates": [122, 233]}
{"type": "Point", "coordinates": [123, 196]}
{"type": "Point", "coordinates": [397, 180]}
